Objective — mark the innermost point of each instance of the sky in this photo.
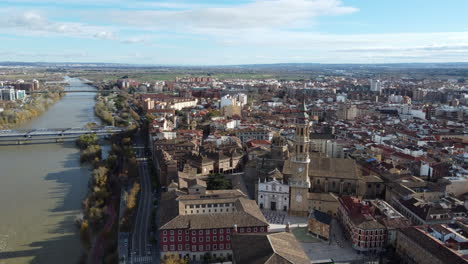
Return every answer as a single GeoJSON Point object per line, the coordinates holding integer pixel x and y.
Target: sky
{"type": "Point", "coordinates": [232, 32]}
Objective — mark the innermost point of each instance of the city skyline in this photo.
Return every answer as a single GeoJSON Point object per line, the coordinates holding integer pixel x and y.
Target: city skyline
{"type": "Point", "coordinates": [233, 32]}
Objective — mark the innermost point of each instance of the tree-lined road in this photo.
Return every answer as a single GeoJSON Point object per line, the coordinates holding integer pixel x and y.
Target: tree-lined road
{"type": "Point", "coordinates": [141, 249]}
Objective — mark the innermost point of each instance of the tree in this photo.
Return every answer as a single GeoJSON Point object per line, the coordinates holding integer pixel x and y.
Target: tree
{"type": "Point", "coordinates": [173, 259]}
{"type": "Point", "coordinates": [218, 182]}
{"type": "Point", "coordinates": [131, 196]}
{"type": "Point", "coordinates": [87, 140]}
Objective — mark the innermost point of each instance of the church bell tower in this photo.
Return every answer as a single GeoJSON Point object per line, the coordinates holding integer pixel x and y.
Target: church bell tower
{"type": "Point", "coordinates": [299, 182]}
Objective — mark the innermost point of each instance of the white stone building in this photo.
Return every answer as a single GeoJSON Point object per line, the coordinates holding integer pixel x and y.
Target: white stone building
{"type": "Point", "coordinates": [273, 195]}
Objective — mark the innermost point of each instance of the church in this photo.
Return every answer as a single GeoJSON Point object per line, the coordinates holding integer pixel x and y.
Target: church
{"type": "Point", "coordinates": [316, 182]}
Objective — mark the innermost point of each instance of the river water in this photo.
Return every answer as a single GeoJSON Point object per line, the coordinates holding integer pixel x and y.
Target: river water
{"type": "Point", "coordinates": [42, 186]}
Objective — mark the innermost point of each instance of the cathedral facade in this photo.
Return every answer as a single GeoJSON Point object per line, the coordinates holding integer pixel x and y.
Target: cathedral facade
{"type": "Point", "coordinates": [316, 182]}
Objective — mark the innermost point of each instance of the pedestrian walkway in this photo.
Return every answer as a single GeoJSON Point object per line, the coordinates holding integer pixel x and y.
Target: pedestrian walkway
{"type": "Point", "coordinates": [274, 217]}
{"type": "Point", "coordinates": [142, 259]}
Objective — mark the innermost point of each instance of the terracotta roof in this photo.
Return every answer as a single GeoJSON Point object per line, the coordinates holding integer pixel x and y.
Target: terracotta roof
{"type": "Point", "coordinates": [328, 167]}
{"type": "Point", "coordinates": [247, 213]}
{"type": "Point", "coordinates": [434, 247]}
{"type": "Point", "coordinates": [277, 248]}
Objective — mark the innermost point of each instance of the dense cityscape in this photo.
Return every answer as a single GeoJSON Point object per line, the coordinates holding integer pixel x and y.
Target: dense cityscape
{"type": "Point", "coordinates": [233, 132]}
{"type": "Point", "coordinates": [341, 167]}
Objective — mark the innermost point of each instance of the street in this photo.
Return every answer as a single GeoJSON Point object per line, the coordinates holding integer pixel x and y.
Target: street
{"type": "Point", "coordinates": [142, 251]}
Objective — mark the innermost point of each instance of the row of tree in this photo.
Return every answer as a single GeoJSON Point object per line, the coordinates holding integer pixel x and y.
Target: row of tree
{"type": "Point", "coordinates": [14, 115]}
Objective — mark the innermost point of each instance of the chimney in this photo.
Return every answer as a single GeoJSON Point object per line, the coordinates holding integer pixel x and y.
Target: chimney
{"type": "Point", "coordinates": [235, 228]}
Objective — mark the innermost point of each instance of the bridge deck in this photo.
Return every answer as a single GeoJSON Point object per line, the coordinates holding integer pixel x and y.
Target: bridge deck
{"type": "Point", "coordinates": [59, 132]}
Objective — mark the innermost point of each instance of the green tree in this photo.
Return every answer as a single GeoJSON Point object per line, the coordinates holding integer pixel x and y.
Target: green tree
{"type": "Point", "coordinates": [218, 182]}
{"type": "Point", "coordinates": [87, 140]}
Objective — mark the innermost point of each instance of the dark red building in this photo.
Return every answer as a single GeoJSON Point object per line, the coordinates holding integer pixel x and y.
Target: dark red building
{"type": "Point", "coordinates": [200, 221]}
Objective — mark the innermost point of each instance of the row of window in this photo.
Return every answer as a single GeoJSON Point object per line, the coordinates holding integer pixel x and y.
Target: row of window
{"type": "Point", "coordinates": [210, 211]}
{"type": "Point", "coordinates": [209, 205]}
{"type": "Point", "coordinates": [213, 231]}
{"type": "Point", "coordinates": [370, 238]}
{"type": "Point", "coordinates": [370, 244]}
{"type": "Point", "coordinates": [371, 232]}
{"type": "Point", "coordinates": [273, 188]}
{"type": "Point", "coordinates": [200, 232]}
{"type": "Point", "coordinates": [197, 248]}
{"type": "Point", "coordinates": [200, 239]}
{"type": "Point", "coordinates": [285, 198]}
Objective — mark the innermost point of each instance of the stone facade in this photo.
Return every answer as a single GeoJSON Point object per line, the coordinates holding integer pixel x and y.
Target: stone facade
{"type": "Point", "coordinates": [273, 195]}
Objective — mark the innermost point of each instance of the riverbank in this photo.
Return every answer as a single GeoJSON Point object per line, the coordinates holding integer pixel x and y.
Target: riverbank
{"type": "Point", "coordinates": [16, 115]}
{"type": "Point", "coordinates": [45, 185]}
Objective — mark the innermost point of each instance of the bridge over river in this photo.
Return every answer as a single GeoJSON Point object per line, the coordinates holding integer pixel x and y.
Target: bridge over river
{"type": "Point", "coordinates": [57, 134]}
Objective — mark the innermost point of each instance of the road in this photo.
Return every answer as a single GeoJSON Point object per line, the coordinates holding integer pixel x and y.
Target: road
{"type": "Point", "coordinates": [141, 249]}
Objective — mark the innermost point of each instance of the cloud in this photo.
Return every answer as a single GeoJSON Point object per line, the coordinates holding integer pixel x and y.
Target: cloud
{"type": "Point", "coordinates": [34, 23]}
{"type": "Point", "coordinates": [456, 48]}
{"type": "Point", "coordinates": [260, 14]}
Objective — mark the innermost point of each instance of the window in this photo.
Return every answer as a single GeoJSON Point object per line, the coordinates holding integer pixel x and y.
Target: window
{"type": "Point", "coordinates": [200, 239]}
{"type": "Point", "coordinates": [164, 248]}
{"type": "Point", "coordinates": [194, 232]}
{"type": "Point", "coordinates": [179, 238]}
{"type": "Point", "coordinates": [194, 239]}
{"type": "Point", "coordinates": [179, 247]}
{"type": "Point", "coordinates": [228, 237]}
{"type": "Point", "coordinates": [207, 232]}
{"type": "Point", "coordinates": [200, 232]}
{"type": "Point", "coordinates": [214, 239]}
{"type": "Point", "coordinates": [187, 247]}
{"type": "Point", "coordinates": [164, 239]}
{"type": "Point", "coordinates": [221, 238]}
{"type": "Point", "coordinates": [164, 232]}
{"type": "Point", "coordinates": [208, 247]}
{"type": "Point", "coordinates": [200, 247]}
{"type": "Point", "coordinates": [255, 229]}
{"type": "Point", "coordinates": [172, 247]}
{"type": "Point", "coordinates": [172, 239]}
{"type": "Point", "coordinates": [214, 231]}
{"type": "Point", "coordinates": [207, 239]}
{"type": "Point", "coordinates": [215, 247]}
{"type": "Point", "coordinates": [172, 232]}
{"type": "Point", "coordinates": [242, 230]}
{"type": "Point", "coordinates": [248, 230]}
{"type": "Point", "coordinates": [221, 246]}
{"type": "Point", "coordinates": [221, 231]}
{"type": "Point", "coordinates": [194, 248]}
{"type": "Point", "coordinates": [180, 232]}
{"type": "Point", "coordinates": [262, 229]}
{"type": "Point", "coordinates": [187, 238]}
{"type": "Point", "coordinates": [228, 246]}
{"type": "Point", "coordinates": [228, 230]}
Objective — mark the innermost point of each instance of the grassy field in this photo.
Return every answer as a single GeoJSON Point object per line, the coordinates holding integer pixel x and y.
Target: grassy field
{"type": "Point", "coordinates": [151, 75]}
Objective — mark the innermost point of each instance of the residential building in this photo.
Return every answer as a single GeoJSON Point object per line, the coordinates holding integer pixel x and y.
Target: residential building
{"type": "Point", "coordinates": [204, 221]}
{"type": "Point", "coordinates": [416, 245]}
{"type": "Point", "coordinates": [319, 224]}
{"type": "Point", "coordinates": [363, 230]}
{"type": "Point", "coordinates": [7, 93]}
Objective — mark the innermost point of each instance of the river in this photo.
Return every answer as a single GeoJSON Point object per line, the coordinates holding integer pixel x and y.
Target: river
{"type": "Point", "coordinates": [42, 186]}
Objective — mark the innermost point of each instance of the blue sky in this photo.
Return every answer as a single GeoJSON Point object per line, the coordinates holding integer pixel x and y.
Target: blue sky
{"type": "Point", "coordinates": [227, 32]}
